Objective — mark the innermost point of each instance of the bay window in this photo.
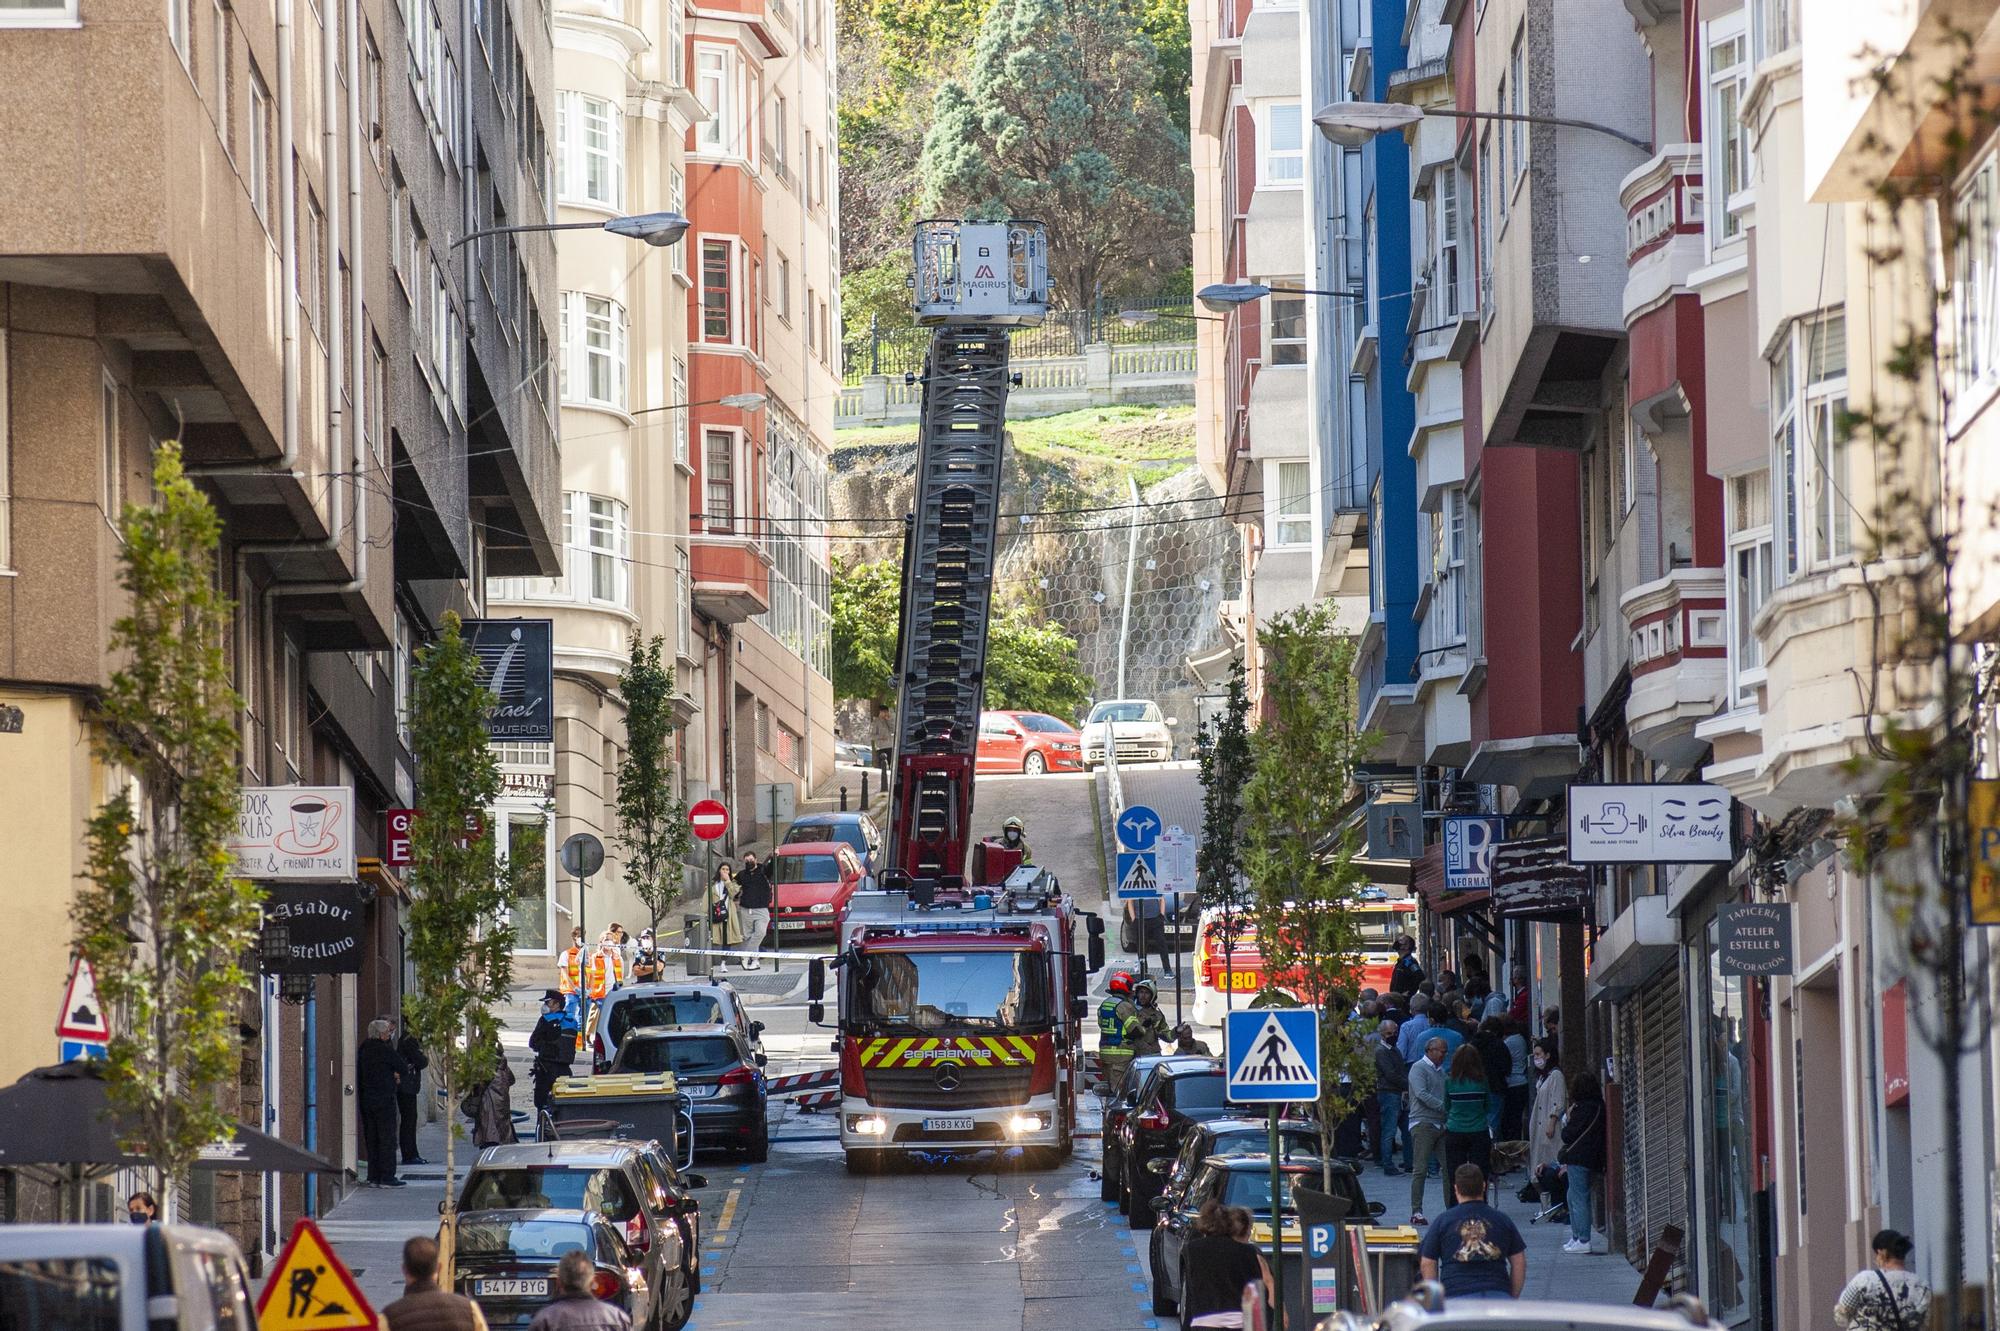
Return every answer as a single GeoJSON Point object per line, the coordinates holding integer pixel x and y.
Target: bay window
{"type": "Point", "coordinates": [1291, 504]}
{"type": "Point", "coordinates": [593, 350]}
{"type": "Point", "coordinates": [1445, 621]}
{"type": "Point", "coordinates": [680, 397]}
{"type": "Point", "coordinates": [603, 552]}
{"type": "Point", "coordinates": [1975, 283]}
{"type": "Point", "coordinates": [1287, 333]}
{"type": "Point", "coordinates": [1284, 145]}
{"type": "Point", "coordinates": [590, 150]}
{"type": "Point", "coordinates": [718, 76]}
{"type": "Point", "coordinates": [1810, 449]}
{"type": "Point", "coordinates": [718, 457]}
{"type": "Point", "coordinates": [1750, 580]}
{"type": "Point", "coordinates": [718, 308]}
{"type": "Point", "coordinates": [1444, 292]}
{"type": "Point", "coordinates": [1727, 168]}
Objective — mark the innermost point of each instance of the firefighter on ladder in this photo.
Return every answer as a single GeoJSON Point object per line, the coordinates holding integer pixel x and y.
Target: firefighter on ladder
{"type": "Point", "coordinates": [1112, 1014]}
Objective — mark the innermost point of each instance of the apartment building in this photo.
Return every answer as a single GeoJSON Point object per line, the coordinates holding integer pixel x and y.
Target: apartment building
{"type": "Point", "coordinates": [261, 268]}
{"type": "Point", "coordinates": [622, 110]}
{"type": "Point", "coordinates": [762, 192]}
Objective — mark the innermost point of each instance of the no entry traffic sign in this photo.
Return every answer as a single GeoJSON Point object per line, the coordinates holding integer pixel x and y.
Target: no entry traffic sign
{"type": "Point", "coordinates": [708, 819]}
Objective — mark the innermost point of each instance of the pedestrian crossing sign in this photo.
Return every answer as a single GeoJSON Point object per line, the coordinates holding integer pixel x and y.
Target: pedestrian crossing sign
{"type": "Point", "coordinates": [1138, 877]}
{"type": "Point", "coordinates": [1272, 1055]}
{"type": "Point", "coordinates": [311, 1290]}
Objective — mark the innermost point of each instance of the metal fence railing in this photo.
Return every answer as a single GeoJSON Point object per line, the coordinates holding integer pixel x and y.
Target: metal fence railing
{"type": "Point", "coordinates": [897, 350]}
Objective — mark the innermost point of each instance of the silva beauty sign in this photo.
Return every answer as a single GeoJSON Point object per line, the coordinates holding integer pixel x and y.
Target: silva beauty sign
{"type": "Point", "coordinates": [1681, 822]}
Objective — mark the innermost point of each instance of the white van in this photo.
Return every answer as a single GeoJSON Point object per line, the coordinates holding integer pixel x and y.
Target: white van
{"type": "Point", "coordinates": [123, 1278]}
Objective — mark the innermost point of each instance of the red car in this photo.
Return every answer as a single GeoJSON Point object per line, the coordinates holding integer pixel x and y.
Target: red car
{"type": "Point", "coordinates": [1030, 742]}
{"type": "Point", "coordinates": [812, 881]}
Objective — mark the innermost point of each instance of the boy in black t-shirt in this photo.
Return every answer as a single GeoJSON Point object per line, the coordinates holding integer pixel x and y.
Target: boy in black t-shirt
{"type": "Point", "coordinates": [1473, 1249]}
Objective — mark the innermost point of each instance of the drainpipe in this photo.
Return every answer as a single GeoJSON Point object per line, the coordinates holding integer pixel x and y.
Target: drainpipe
{"type": "Point", "coordinates": [310, 1104]}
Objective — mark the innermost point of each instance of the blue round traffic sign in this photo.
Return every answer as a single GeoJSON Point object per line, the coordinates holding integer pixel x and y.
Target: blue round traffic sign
{"type": "Point", "coordinates": [1138, 828]}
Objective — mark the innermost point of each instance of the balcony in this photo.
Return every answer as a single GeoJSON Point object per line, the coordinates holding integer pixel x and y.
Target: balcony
{"type": "Point", "coordinates": [1640, 943]}
{"type": "Point", "coordinates": [732, 577]}
{"type": "Point", "coordinates": [1663, 228]}
{"type": "Point", "coordinates": [1679, 656]}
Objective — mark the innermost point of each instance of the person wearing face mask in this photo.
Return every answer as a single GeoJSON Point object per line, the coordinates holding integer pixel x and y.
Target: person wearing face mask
{"type": "Point", "coordinates": [1014, 836]}
{"type": "Point", "coordinates": [754, 896]}
{"type": "Point", "coordinates": [142, 1208]}
{"type": "Point", "coordinates": [1544, 1125]}
{"type": "Point", "coordinates": [647, 964]}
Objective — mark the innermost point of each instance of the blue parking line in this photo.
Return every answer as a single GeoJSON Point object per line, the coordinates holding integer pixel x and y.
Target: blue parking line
{"type": "Point", "coordinates": [1133, 1268]}
{"type": "Point", "coordinates": [1149, 1324]}
{"type": "Point", "coordinates": [1138, 1287]}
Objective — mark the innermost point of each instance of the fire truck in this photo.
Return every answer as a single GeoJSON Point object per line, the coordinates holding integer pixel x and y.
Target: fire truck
{"type": "Point", "coordinates": [1220, 973]}
{"type": "Point", "coordinates": [960, 990]}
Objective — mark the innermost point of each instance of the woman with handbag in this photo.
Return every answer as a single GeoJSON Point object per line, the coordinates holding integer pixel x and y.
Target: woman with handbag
{"type": "Point", "coordinates": [1582, 1155]}
{"type": "Point", "coordinates": [1886, 1296]}
{"type": "Point", "coordinates": [725, 919]}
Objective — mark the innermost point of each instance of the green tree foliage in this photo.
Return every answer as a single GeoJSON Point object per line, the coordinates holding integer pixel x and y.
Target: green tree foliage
{"type": "Point", "coordinates": [1223, 755]}
{"type": "Point", "coordinates": [1060, 117]}
{"type": "Point", "coordinates": [1031, 667]}
{"type": "Point", "coordinates": [867, 606]}
{"type": "Point", "coordinates": [459, 942]}
{"type": "Point", "coordinates": [652, 824]}
{"type": "Point", "coordinates": [1301, 839]}
{"type": "Point", "coordinates": [162, 919]}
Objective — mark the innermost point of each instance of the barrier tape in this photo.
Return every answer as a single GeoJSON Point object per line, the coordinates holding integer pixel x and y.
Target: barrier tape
{"type": "Point", "coordinates": [754, 956]}
{"type": "Point", "coordinates": [804, 1081]}
{"type": "Point", "coordinates": [817, 1100]}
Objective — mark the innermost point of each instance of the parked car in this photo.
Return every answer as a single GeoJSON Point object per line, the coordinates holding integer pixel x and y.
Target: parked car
{"type": "Point", "coordinates": [1173, 1100]}
{"type": "Point", "coordinates": [1112, 1172]}
{"type": "Point", "coordinates": [1028, 742]}
{"type": "Point", "coordinates": [1143, 732]}
{"type": "Point", "coordinates": [122, 1278]}
{"type": "Point", "coordinates": [1147, 921]}
{"type": "Point", "coordinates": [680, 1003]}
{"type": "Point", "coordinates": [617, 1180]}
{"type": "Point", "coordinates": [811, 883]}
{"type": "Point", "coordinates": [506, 1260]}
{"type": "Point", "coordinates": [721, 1076]}
{"type": "Point", "coordinates": [1427, 1310]}
{"type": "Point", "coordinates": [1238, 1180]}
{"type": "Point", "coordinates": [857, 830]}
{"type": "Point", "coordinates": [673, 1194]}
{"type": "Point", "coordinates": [853, 755]}
{"type": "Point", "coordinates": [1298, 1139]}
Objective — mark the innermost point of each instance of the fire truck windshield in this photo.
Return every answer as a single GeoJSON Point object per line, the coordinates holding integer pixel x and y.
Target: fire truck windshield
{"type": "Point", "coordinates": [943, 991]}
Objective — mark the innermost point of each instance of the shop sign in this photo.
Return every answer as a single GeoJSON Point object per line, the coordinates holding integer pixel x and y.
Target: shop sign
{"type": "Point", "coordinates": [294, 833]}
{"type": "Point", "coordinates": [1678, 822]}
{"type": "Point", "coordinates": [517, 661]}
{"type": "Point", "coordinates": [1469, 842]}
{"type": "Point", "coordinates": [312, 930]}
{"type": "Point", "coordinates": [519, 785]}
{"type": "Point", "coordinates": [1754, 937]}
{"type": "Point", "coordinates": [1534, 879]}
{"type": "Point", "coordinates": [1983, 812]}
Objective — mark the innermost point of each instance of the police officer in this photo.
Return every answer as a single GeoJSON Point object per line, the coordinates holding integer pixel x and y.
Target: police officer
{"type": "Point", "coordinates": [1147, 1026]}
{"type": "Point", "coordinates": [1014, 836]}
{"type": "Point", "coordinates": [1111, 1016]}
{"type": "Point", "coordinates": [553, 1044]}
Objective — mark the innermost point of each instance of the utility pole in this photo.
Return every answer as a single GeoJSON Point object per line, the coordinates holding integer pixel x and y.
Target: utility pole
{"type": "Point", "coordinates": [1125, 618]}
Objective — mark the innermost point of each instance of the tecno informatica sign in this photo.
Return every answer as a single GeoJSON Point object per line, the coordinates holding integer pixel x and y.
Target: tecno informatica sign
{"type": "Point", "coordinates": [517, 659]}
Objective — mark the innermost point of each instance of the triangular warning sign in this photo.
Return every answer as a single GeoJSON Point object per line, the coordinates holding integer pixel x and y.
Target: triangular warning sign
{"type": "Point", "coordinates": [984, 270]}
{"type": "Point", "coordinates": [82, 1016]}
{"type": "Point", "coordinates": [1273, 1059]}
{"type": "Point", "coordinates": [310, 1290]}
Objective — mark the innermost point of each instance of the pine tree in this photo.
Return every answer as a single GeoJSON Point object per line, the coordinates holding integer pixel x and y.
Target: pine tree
{"type": "Point", "coordinates": [652, 824]}
{"type": "Point", "coordinates": [1224, 757]}
{"type": "Point", "coordinates": [163, 921]}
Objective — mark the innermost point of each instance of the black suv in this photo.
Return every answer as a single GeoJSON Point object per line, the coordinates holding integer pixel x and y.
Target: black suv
{"type": "Point", "coordinates": [1112, 1175]}
{"type": "Point", "coordinates": [1173, 1100]}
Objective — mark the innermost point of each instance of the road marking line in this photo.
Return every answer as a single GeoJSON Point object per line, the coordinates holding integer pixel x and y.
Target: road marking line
{"type": "Point", "coordinates": [728, 1211]}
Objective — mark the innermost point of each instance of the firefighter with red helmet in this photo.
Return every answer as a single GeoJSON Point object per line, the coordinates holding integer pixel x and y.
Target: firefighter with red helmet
{"type": "Point", "coordinates": [1112, 1014]}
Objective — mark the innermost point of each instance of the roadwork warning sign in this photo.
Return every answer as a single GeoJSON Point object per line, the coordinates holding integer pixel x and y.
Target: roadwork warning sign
{"type": "Point", "coordinates": [311, 1290]}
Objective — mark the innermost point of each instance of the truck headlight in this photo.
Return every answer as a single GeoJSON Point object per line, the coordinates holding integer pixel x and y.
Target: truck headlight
{"type": "Point", "coordinates": [867, 1125]}
{"type": "Point", "coordinates": [1027, 1123]}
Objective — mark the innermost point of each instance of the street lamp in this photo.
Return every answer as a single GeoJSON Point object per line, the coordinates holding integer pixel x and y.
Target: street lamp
{"type": "Point", "coordinates": [656, 229]}
{"type": "Point", "coordinates": [1137, 318]}
{"type": "Point", "coordinates": [1223, 297]}
{"type": "Point", "coordinates": [736, 401]}
{"type": "Point", "coordinates": [1353, 124]}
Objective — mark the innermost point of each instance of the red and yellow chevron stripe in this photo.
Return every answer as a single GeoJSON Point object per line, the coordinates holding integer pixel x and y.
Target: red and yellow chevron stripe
{"type": "Point", "coordinates": [980, 1051]}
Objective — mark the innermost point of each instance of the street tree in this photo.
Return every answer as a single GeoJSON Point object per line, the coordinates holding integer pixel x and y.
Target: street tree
{"type": "Point", "coordinates": [1301, 840]}
{"type": "Point", "coordinates": [459, 942]}
{"type": "Point", "coordinates": [163, 919]}
{"type": "Point", "coordinates": [652, 824]}
{"type": "Point", "coordinates": [1060, 117]}
{"type": "Point", "coordinates": [867, 606]}
{"type": "Point", "coordinates": [1224, 759]}
{"type": "Point", "coordinates": [1032, 667]}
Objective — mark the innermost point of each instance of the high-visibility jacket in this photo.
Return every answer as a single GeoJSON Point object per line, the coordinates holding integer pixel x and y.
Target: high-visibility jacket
{"type": "Point", "coordinates": [1111, 1015]}
{"type": "Point", "coordinates": [569, 970]}
{"type": "Point", "coordinates": [600, 975]}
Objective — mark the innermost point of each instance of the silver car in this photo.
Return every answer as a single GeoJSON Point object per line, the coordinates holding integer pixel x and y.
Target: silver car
{"type": "Point", "coordinates": [1427, 1309]}
{"type": "Point", "coordinates": [122, 1277]}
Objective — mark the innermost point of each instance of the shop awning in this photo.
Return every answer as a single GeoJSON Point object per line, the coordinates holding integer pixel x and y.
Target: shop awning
{"type": "Point", "coordinates": [1427, 882]}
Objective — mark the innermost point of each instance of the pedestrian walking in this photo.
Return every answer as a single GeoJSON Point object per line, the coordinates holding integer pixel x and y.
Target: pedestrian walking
{"type": "Point", "coordinates": [1582, 1154]}
{"type": "Point", "coordinates": [574, 1307]}
{"type": "Point", "coordinates": [553, 1046]}
{"type": "Point", "coordinates": [754, 896]}
{"type": "Point", "coordinates": [1491, 1042]}
{"type": "Point", "coordinates": [425, 1307]}
{"type": "Point", "coordinates": [1544, 1125]}
{"type": "Point", "coordinates": [725, 918]}
{"type": "Point", "coordinates": [1474, 1250]}
{"type": "Point", "coordinates": [142, 1208]}
{"type": "Point", "coordinates": [1221, 1264]}
{"type": "Point", "coordinates": [1392, 1083]}
{"type": "Point", "coordinates": [490, 1105]}
{"type": "Point", "coordinates": [648, 965]}
{"type": "Point", "coordinates": [412, 1053]}
{"type": "Point", "coordinates": [1427, 1114]}
{"type": "Point", "coordinates": [1885, 1295]}
{"type": "Point", "coordinates": [378, 1071]}
{"type": "Point", "coordinates": [1466, 1138]}
{"type": "Point", "coordinates": [1408, 972]}
{"type": "Point", "coordinates": [1520, 1083]}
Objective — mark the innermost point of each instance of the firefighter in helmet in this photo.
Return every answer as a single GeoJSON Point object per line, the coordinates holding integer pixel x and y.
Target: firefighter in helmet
{"type": "Point", "coordinates": [1111, 1017]}
{"type": "Point", "coordinates": [1014, 836]}
{"type": "Point", "coordinates": [1147, 1026]}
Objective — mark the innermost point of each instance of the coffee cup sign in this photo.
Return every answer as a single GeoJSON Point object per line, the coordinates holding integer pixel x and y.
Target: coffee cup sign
{"type": "Point", "coordinates": [294, 833]}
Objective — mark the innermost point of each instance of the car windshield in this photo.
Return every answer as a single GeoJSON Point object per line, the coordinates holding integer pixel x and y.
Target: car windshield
{"type": "Point", "coordinates": [553, 1186]}
{"type": "Point", "coordinates": [529, 1240]}
{"type": "Point", "coordinates": [1123, 711]}
{"type": "Point", "coordinates": [1251, 1189]}
{"type": "Point", "coordinates": [1047, 725]}
{"type": "Point", "coordinates": [664, 1010]}
{"type": "Point", "coordinates": [848, 834]}
{"type": "Point", "coordinates": [935, 991]}
{"type": "Point", "coordinates": [67, 1293]}
{"type": "Point", "coordinates": [682, 1055]}
{"type": "Point", "coordinates": [804, 869]}
{"type": "Point", "coordinates": [1293, 1146]}
{"type": "Point", "coordinates": [1379, 927]}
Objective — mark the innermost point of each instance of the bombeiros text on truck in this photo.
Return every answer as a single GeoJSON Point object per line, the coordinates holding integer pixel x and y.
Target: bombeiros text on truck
{"type": "Point", "coordinates": [960, 982]}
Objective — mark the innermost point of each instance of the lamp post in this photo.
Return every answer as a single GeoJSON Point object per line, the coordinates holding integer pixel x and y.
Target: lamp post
{"type": "Point", "coordinates": [1353, 124]}
{"type": "Point", "coordinates": [656, 229]}
{"type": "Point", "coordinates": [1138, 318]}
{"type": "Point", "coordinates": [1223, 297]}
{"type": "Point", "coordinates": [734, 401]}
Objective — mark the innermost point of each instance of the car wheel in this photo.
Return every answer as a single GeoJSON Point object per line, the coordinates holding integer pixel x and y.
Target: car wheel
{"type": "Point", "coordinates": [1139, 1211]}
{"type": "Point", "coordinates": [1163, 1306]}
{"type": "Point", "coordinates": [1034, 764]}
